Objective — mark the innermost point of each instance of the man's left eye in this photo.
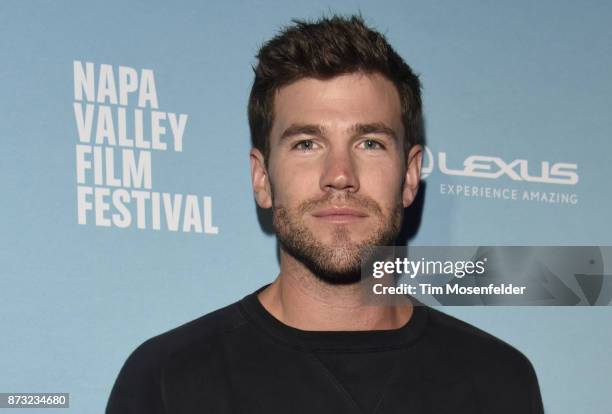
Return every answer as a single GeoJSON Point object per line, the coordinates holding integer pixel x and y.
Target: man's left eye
{"type": "Point", "coordinates": [372, 144]}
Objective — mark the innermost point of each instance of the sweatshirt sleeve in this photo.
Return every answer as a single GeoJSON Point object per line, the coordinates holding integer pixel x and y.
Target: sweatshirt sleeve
{"type": "Point", "coordinates": [137, 388]}
{"type": "Point", "coordinates": [537, 406]}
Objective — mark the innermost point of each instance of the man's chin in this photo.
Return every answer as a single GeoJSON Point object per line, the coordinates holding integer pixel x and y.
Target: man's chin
{"type": "Point", "coordinates": [331, 264]}
{"type": "Point", "coordinates": [341, 267]}
{"type": "Point", "coordinates": [338, 276]}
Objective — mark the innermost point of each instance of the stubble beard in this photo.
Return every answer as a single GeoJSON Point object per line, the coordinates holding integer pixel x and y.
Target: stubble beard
{"type": "Point", "coordinates": [337, 263]}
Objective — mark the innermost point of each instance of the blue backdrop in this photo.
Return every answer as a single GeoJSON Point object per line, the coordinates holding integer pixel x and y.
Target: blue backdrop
{"type": "Point", "coordinates": [517, 102]}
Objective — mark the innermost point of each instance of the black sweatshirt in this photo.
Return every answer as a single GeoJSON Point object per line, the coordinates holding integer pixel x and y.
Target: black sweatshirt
{"type": "Point", "coordinates": [240, 359]}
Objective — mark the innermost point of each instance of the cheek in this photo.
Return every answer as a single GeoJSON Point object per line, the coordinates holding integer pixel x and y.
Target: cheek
{"type": "Point", "coordinates": [384, 185]}
{"type": "Point", "coordinates": [293, 184]}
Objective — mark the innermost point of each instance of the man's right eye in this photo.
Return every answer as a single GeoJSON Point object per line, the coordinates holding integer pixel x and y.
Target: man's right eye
{"type": "Point", "coordinates": [305, 145]}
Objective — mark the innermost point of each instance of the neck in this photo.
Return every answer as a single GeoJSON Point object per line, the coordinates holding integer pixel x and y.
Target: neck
{"type": "Point", "coordinates": [301, 300]}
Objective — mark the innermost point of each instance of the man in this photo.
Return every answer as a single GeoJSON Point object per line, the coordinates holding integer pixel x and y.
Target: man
{"type": "Point", "coordinates": [334, 115]}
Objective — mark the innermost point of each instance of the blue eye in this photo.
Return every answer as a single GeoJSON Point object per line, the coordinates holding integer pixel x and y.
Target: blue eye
{"type": "Point", "coordinates": [372, 144]}
{"type": "Point", "coordinates": [305, 145]}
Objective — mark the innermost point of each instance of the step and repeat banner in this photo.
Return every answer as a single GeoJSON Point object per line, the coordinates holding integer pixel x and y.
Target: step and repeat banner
{"type": "Point", "coordinates": [127, 207]}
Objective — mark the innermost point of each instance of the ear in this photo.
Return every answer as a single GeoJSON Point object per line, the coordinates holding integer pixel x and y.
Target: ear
{"type": "Point", "coordinates": [413, 174]}
{"type": "Point", "coordinates": [260, 179]}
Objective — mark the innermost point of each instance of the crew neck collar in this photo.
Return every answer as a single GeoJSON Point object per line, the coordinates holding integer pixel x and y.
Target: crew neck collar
{"type": "Point", "coordinates": [334, 340]}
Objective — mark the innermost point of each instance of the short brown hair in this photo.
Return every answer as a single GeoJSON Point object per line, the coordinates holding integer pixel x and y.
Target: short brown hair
{"type": "Point", "coordinates": [324, 49]}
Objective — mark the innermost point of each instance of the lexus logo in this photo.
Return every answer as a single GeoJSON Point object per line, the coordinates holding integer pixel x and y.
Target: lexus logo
{"type": "Point", "coordinates": [483, 166]}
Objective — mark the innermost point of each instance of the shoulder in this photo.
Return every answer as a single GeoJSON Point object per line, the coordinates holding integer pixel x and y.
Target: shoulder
{"type": "Point", "coordinates": [191, 334]}
{"type": "Point", "coordinates": [139, 382]}
{"type": "Point", "coordinates": [473, 344]}
{"type": "Point", "coordinates": [501, 373]}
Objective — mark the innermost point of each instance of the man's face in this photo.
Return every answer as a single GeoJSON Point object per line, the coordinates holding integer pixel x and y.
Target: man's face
{"type": "Point", "coordinates": [337, 171]}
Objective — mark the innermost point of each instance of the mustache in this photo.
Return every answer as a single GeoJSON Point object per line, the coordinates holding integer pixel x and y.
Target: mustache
{"type": "Point", "coordinates": [358, 202]}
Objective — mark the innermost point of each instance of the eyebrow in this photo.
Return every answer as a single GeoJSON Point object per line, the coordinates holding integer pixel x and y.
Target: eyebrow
{"type": "Point", "coordinates": [374, 128]}
{"type": "Point", "coordinates": [356, 129]}
{"type": "Point", "coordinates": [302, 129]}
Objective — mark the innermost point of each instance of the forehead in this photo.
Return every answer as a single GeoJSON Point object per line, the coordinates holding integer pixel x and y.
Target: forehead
{"type": "Point", "coordinates": [339, 102]}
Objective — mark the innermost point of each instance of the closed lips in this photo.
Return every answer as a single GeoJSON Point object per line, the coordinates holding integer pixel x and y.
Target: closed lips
{"type": "Point", "coordinates": [338, 212]}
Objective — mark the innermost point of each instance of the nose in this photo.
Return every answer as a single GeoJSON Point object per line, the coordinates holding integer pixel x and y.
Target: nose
{"type": "Point", "coordinates": [339, 173]}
